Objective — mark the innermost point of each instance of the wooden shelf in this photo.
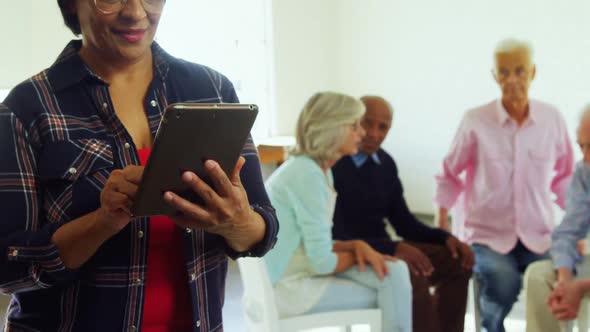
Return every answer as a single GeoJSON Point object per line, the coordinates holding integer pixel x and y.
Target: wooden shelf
{"type": "Point", "coordinates": [275, 149]}
{"type": "Point", "coordinates": [272, 154]}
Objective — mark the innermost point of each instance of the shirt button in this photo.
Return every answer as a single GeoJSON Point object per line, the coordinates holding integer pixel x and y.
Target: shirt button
{"type": "Point", "coordinates": [198, 323]}
{"type": "Point", "coordinates": [133, 329]}
{"type": "Point", "coordinates": [138, 280]}
{"type": "Point", "coordinates": [193, 276]}
{"type": "Point", "coordinates": [140, 234]}
{"type": "Point", "coordinates": [153, 103]}
{"type": "Point", "coordinates": [188, 230]}
{"type": "Point", "coordinates": [14, 253]}
{"type": "Point", "coordinates": [73, 171]}
{"type": "Point", "coordinates": [105, 105]}
{"type": "Point", "coordinates": [127, 145]}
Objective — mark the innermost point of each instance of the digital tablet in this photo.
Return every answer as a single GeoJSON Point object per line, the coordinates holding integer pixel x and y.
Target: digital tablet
{"type": "Point", "coordinates": [189, 134]}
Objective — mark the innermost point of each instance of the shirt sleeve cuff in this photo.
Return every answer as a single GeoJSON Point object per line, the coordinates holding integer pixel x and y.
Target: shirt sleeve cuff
{"type": "Point", "coordinates": [441, 236]}
{"type": "Point", "coordinates": [331, 264]}
{"type": "Point", "coordinates": [270, 236]}
{"type": "Point", "coordinates": [47, 266]}
{"type": "Point", "coordinates": [35, 259]}
{"type": "Point", "coordinates": [47, 257]}
{"type": "Point", "coordinates": [446, 200]}
{"type": "Point", "coordinates": [447, 191]}
{"type": "Point", "coordinates": [382, 245]}
{"type": "Point", "coordinates": [563, 261]}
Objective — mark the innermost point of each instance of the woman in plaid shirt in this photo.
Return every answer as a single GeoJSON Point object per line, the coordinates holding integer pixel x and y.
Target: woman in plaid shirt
{"type": "Point", "coordinates": [70, 254]}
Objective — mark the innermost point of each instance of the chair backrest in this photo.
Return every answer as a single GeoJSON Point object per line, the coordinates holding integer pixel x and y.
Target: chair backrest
{"type": "Point", "coordinates": [258, 301]}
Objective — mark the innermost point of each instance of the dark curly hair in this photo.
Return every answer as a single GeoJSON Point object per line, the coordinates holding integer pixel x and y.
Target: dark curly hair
{"type": "Point", "coordinates": [70, 18]}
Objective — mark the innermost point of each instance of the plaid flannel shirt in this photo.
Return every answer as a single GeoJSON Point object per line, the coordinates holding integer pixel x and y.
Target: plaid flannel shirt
{"type": "Point", "coordinates": [59, 141]}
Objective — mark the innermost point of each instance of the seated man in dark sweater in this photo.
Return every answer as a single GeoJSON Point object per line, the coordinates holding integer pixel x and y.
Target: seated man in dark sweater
{"type": "Point", "coordinates": [370, 192]}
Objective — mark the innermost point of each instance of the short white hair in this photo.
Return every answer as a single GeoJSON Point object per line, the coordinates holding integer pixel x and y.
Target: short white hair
{"type": "Point", "coordinates": [585, 115]}
{"type": "Point", "coordinates": [321, 127]}
{"type": "Point", "coordinates": [511, 45]}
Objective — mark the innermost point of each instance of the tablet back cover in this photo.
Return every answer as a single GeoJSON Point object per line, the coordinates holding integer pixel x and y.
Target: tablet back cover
{"type": "Point", "coordinates": [190, 134]}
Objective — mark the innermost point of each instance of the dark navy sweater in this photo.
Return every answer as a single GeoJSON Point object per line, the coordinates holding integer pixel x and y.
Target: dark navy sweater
{"type": "Point", "coordinates": [371, 194]}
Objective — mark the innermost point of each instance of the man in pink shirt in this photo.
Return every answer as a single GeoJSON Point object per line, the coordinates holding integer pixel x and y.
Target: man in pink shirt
{"type": "Point", "coordinates": [514, 152]}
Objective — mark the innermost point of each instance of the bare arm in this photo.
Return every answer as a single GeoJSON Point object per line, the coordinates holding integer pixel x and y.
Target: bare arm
{"type": "Point", "coordinates": [564, 274]}
{"type": "Point", "coordinates": [443, 219]}
{"type": "Point", "coordinates": [78, 240]}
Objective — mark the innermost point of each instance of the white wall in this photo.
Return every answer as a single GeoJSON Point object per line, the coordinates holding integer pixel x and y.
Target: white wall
{"type": "Point", "coordinates": [12, 59]}
{"type": "Point", "coordinates": [304, 32]}
{"type": "Point", "coordinates": [432, 60]}
{"type": "Point", "coordinates": [32, 34]}
{"type": "Point", "coordinates": [232, 36]}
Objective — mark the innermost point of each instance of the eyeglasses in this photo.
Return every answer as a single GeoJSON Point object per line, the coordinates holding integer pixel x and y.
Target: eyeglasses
{"type": "Point", "coordinates": [115, 6]}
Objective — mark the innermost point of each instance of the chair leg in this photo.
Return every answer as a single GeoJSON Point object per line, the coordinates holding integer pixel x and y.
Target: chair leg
{"type": "Point", "coordinates": [583, 316]}
{"type": "Point", "coordinates": [476, 307]}
{"type": "Point", "coordinates": [567, 326]}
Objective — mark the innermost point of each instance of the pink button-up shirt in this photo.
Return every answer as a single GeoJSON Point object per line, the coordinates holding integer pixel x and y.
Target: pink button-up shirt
{"type": "Point", "coordinates": [510, 172]}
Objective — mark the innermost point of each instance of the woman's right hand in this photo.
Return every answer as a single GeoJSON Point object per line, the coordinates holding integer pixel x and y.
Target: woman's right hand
{"type": "Point", "coordinates": [364, 253]}
{"type": "Point", "coordinates": [117, 196]}
{"type": "Point", "coordinates": [79, 239]}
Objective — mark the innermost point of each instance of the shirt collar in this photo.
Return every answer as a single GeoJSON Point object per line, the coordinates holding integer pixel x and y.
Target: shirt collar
{"type": "Point", "coordinates": [69, 68]}
{"type": "Point", "coordinates": [360, 158]}
{"type": "Point", "coordinates": [504, 117]}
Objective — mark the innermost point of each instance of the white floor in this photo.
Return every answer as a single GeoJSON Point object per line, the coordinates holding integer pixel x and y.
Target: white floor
{"type": "Point", "coordinates": [233, 319]}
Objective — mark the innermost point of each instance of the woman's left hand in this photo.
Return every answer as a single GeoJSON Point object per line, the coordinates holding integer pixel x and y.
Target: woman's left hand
{"type": "Point", "coordinates": [226, 210]}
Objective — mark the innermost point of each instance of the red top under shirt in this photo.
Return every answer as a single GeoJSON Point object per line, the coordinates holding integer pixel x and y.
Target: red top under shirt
{"type": "Point", "coordinates": [167, 304]}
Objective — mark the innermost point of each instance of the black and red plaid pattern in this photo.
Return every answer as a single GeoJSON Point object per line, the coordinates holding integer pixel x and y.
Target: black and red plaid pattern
{"type": "Point", "coordinates": [59, 141]}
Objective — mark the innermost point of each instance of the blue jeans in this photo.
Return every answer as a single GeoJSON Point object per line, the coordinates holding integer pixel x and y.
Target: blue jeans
{"type": "Point", "coordinates": [500, 279]}
{"type": "Point", "coordinates": [353, 289]}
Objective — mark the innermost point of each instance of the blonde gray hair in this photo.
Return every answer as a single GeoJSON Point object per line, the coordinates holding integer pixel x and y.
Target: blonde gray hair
{"type": "Point", "coordinates": [510, 45]}
{"type": "Point", "coordinates": [321, 127]}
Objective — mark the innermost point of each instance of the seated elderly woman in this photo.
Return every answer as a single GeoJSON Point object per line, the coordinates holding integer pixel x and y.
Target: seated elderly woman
{"type": "Point", "coordinates": [311, 272]}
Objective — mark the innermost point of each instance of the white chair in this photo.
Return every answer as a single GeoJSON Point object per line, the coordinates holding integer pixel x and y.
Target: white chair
{"type": "Point", "coordinates": [261, 314]}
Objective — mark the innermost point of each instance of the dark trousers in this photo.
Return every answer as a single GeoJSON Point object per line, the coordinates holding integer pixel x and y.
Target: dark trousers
{"type": "Point", "coordinates": [444, 309]}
